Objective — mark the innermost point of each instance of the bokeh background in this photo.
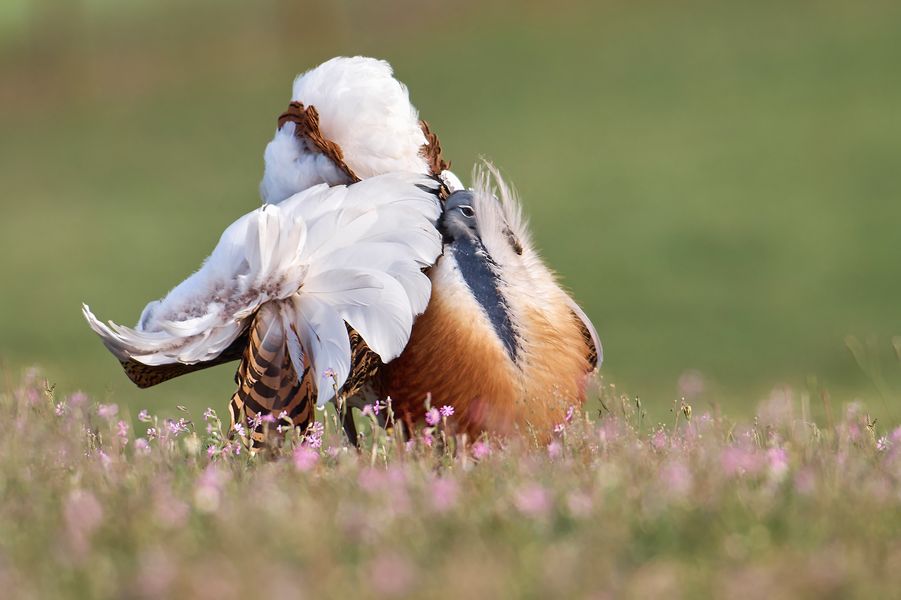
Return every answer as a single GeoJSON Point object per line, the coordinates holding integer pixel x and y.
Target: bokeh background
{"type": "Point", "coordinates": [718, 183]}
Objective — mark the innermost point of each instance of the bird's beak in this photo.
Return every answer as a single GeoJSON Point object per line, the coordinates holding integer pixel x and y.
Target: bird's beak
{"type": "Point", "coordinates": [441, 225]}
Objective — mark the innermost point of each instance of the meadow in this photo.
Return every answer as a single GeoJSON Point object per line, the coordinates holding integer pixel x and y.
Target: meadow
{"type": "Point", "coordinates": [613, 507]}
{"type": "Point", "coordinates": [716, 183]}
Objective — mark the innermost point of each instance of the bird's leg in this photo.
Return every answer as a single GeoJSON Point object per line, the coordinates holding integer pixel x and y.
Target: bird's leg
{"type": "Point", "coordinates": [345, 414]}
{"type": "Point", "coordinates": [350, 428]}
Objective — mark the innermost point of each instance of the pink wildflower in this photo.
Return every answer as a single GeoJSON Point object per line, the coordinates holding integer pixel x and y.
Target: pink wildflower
{"type": "Point", "coordinates": [313, 437]}
{"type": "Point", "coordinates": [778, 409]}
{"type": "Point", "coordinates": [444, 492]}
{"type": "Point", "coordinates": [122, 430]}
{"type": "Point", "coordinates": [175, 428]}
{"type": "Point", "coordinates": [677, 478]}
{"type": "Point", "coordinates": [532, 500]}
{"type": "Point", "coordinates": [427, 438]}
{"type": "Point", "coordinates": [658, 440]}
{"type": "Point", "coordinates": [480, 450]}
{"type": "Point", "coordinates": [78, 399]}
{"type": "Point", "coordinates": [739, 461]}
{"type": "Point", "coordinates": [168, 510]}
{"type": "Point", "coordinates": [107, 411]}
{"type": "Point", "coordinates": [269, 418]}
{"type": "Point", "coordinates": [390, 576]}
{"type": "Point", "coordinates": [883, 444]}
{"type": "Point", "coordinates": [144, 416]}
{"type": "Point", "coordinates": [896, 435]}
{"type": "Point", "coordinates": [371, 479]}
{"type": "Point", "coordinates": [208, 492]}
{"type": "Point", "coordinates": [305, 458]}
{"type": "Point", "coordinates": [555, 449]}
{"type": "Point", "coordinates": [156, 572]}
{"type": "Point", "coordinates": [60, 409]}
{"type": "Point", "coordinates": [142, 446]}
{"type": "Point", "coordinates": [579, 504]}
{"type": "Point", "coordinates": [432, 417]}
{"type": "Point", "coordinates": [446, 411]}
{"type": "Point", "coordinates": [255, 421]}
{"type": "Point", "coordinates": [777, 461]}
{"type": "Point", "coordinates": [559, 428]}
{"type": "Point", "coordinates": [239, 429]}
{"type": "Point", "coordinates": [805, 482]}
{"type": "Point", "coordinates": [82, 514]}
{"type": "Point", "coordinates": [570, 413]}
{"type": "Point", "coordinates": [32, 395]}
{"type": "Point", "coordinates": [208, 414]}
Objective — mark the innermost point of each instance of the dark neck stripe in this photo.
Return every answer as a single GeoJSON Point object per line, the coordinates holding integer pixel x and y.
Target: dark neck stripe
{"type": "Point", "coordinates": [480, 274]}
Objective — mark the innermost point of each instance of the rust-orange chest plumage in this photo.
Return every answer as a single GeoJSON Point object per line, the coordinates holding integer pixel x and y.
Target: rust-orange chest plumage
{"type": "Point", "coordinates": [500, 342]}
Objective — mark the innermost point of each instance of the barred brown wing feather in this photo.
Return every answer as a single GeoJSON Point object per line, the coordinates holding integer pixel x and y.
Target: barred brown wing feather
{"type": "Point", "coordinates": [592, 349]}
{"type": "Point", "coordinates": [145, 376]}
{"type": "Point", "coordinates": [595, 354]}
{"type": "Point", "coordinates": [267, 381]}
{"type": "Point", "coordinates": [364, 364]}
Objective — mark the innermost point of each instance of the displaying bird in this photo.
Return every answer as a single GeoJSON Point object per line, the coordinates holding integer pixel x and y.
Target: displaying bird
{"type": "Point", "coordinates": [499, 340]}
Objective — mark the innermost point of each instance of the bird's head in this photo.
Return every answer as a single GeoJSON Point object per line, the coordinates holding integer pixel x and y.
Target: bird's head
{"type": "Point", "coordinates": [488, 216]}
{"type": "Point", "coordinates": [458, 221]}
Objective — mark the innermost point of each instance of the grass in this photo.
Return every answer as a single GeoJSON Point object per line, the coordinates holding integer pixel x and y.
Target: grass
{"type": "Point", "coordinates": [614, 506]}
{"type": "Point", "coordinates": [715, 182]}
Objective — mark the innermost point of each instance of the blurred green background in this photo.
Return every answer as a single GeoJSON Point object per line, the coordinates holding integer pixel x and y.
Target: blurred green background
{"type": "Point", "coordinates": [717, 182]}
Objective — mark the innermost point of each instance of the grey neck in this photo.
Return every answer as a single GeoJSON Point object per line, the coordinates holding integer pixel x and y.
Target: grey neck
{"type": "Point", "coordinates": [480, 273]}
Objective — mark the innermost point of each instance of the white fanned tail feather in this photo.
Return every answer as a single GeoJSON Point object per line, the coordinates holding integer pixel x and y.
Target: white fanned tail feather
{"type": "Point", "coordinates": [324, 257]}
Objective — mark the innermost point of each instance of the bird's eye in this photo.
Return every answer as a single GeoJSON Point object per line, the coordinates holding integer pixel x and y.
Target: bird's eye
{"type": "Point", "coordinates": [467, 211]}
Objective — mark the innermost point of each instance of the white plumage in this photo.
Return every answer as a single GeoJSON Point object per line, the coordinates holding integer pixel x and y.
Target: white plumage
{"type": "Point", "coordinates": [364, 110]}
{"type": "Point", "coordinates": [322, 258]}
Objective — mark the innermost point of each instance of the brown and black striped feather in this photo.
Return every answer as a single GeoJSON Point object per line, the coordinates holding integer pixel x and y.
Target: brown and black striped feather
{"type": "Point", "coordinates": [145, 376]}
{"type": "Point", "coordinates": [267, 381]}
{"type": "Point", "coordinates": [365, 365]}
{"type": "Point", "coordinates": [592, 355]}
{"type": "Point", "coordinates": [268, 384]}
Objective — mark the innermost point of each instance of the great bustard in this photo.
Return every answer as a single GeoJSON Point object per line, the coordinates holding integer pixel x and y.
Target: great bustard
{"type": "Point", "coordinates": [500, 341]}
